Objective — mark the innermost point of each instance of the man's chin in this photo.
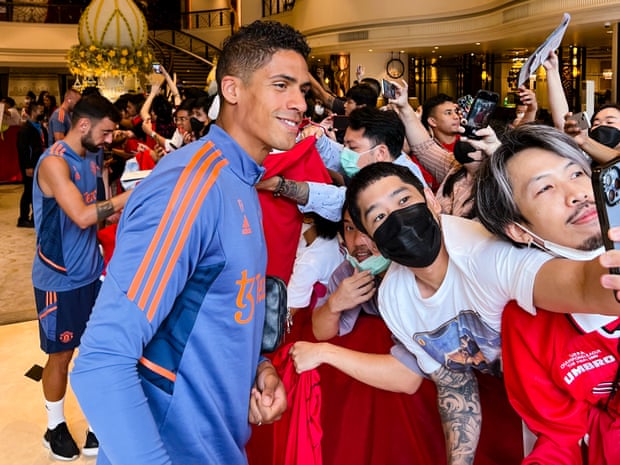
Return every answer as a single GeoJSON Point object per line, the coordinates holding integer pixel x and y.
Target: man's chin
{"type": "Point", "coordinates": [592, 243]}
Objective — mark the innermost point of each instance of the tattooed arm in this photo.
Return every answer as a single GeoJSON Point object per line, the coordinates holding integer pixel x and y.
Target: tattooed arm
{"type": "Point", "coordinates": [294, 190]}
{"type": "Point", "coordinates": [459, 408]}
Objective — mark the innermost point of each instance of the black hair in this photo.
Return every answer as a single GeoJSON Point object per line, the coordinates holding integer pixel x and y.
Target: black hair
{"type": "Point", "coordinates": [604, 107]}
{"type": "Point", "coordinates": [121, 102]}
{"type": "Point", "coordinates": [380, 127]}
{"type": "Point", "coordinates": [193, 92]}
{"type": "Point", "coordinates": [371, 174]}
{"type": "Point", "coordinates": [137, 100]}
{"type": "Point", "coordinates": [90, 91]}
{"type": "Point", "coordinates": [430, 104]}
{"type": "Point", "coordinates": [325, 228]}
{"type": "Point", "coordinates": [252, 46]}
{"type": "Point", "coordinates": [372, 82]}
{"type": "Point", "coordinates": [362, 94]}
{"type": "Point", "coordinates": [163, 109]}
{"type": "Point", "coordinates": [30, 107]}
{"type": "Point", "coordinates": [186, 105]}
{"type": "Point", "coordinates": [9, 101]}
{"type": "Point", "coordinates": [94, 107]}
{"type": "Point", "coordinates": [203, 102]}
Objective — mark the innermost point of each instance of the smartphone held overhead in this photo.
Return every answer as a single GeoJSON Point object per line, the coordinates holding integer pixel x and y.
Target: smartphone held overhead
{"type": "Point", "coordinates": [583, 122]}
{"type": "Point", "coordinates": [157, 68]}
{"type": "Point", "coordinates": [480, 112]}
{"type": "Point", "coordinates": [389, 89]}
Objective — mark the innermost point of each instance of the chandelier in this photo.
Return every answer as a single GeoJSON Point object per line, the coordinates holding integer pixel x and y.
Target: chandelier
{"type": "Point", "coordinates": [112, 54]}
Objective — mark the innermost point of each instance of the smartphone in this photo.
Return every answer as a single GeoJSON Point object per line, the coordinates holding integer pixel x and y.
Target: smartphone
{"type": "Point", "coordinates": [157, 68]}
{"type": "Point", "coordinates": [340, 122]}
{"type": "Point", "coordinates": [606, 185]}
{"type": "Point", "coordinates": [464, 104]}
{"type": "Point", "coordinates": [480, 112]}
{"type": "Point", "coordinates": [389, 89]}
{"type": "Point", "coordinates": [583, 122]}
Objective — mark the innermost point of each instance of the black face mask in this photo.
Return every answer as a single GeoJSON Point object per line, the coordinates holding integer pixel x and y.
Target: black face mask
{"type": "Point", "coordinates": [197, 126]}
{"type": "Point", "coordinates": [410, 236]}
{"type": "Point", "coordinates": [462, 150]}
{"type": "Point", "coordinates": [40, 118]}
{"type": "Point", "coordinates": [606, 135]}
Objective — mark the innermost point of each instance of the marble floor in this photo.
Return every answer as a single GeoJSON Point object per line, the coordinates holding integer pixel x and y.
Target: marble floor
{"type": "Point", "coordinates": [22, 414]}
{"type": "Point", "coordinates": [23, 419]}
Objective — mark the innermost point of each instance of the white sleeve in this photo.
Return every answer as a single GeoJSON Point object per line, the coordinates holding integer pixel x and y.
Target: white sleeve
{"type": "Point", "coordinates": [329, 151]}
{"type": "Point", "coordinates": [325, 200]}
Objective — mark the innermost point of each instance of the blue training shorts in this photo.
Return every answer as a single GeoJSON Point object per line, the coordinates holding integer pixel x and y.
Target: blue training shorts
{"type": "Point", "coordinates": [63, 316]}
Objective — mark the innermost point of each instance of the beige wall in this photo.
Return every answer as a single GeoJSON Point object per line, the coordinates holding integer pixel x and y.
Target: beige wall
{"type": "Point", "coordinates": [40, 45]}
{"type": "Point", "coordinates": [319, 14]}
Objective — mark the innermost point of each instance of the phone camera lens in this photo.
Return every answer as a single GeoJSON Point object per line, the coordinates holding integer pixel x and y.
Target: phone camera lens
{"type": "Point", "coordinates": [611, 195]}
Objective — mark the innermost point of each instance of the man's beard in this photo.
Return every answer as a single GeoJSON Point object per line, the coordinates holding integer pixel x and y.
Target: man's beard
{"type": "Point", "coordinates": [88, 143]}
{"type": "Point", "coordinates": [592, 243]}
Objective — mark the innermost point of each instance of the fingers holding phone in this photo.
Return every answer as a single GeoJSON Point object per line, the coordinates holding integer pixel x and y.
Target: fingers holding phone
{"type": "Point", "coordinates": [480, 112]}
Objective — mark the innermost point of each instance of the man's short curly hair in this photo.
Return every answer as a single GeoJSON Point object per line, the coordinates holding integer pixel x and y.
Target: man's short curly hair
{"type": "Point", "coordinates": [252, 46]}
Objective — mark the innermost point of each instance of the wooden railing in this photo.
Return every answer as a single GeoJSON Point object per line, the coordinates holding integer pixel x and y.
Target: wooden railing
{"type": "Point", "coordinates": [220, 17]}
{"type": "Point", "coordinates": [274, 7]}
{"type": "Point", "coordinates": [198, 47]}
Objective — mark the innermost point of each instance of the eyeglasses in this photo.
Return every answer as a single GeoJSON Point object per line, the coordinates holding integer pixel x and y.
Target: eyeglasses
{"type": "Point", "coordinates": [181, 119]}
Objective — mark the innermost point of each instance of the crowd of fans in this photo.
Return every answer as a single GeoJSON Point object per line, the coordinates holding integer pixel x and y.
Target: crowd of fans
{"type": "Point", "coordinates": [338, 264]}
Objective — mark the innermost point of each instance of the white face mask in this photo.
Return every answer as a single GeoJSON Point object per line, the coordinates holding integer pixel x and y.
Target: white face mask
{"type": "Point", "coordinates": [561, 250]}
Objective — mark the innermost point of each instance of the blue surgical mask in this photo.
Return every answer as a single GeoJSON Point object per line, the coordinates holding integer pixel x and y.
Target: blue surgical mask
{"type": "Point", "coordinates": [349, 160]}
{"type": "Point", "coordinates": [376, 264]}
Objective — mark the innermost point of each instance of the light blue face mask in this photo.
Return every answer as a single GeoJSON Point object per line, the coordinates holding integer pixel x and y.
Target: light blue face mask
{"type": "Point", "coordinates": [349, 160]}
{"type": "Point", "coordinates": [375, 264]}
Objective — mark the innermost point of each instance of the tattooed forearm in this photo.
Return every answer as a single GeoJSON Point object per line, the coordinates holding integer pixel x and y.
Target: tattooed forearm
{"type": "Point", "coordinates": [459, 407]}
{"type": "Point", "coordinates": [297, 191]}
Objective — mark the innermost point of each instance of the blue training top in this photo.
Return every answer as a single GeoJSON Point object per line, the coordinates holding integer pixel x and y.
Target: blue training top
{"type": "Point", "coordinates": [60, 121]}
{"type": "Point", "coordinates": [67, 256]}
{"type": "Point", "coordinates": [169, 356]}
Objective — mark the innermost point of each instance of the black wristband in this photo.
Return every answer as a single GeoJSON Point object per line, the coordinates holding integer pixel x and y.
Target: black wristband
{"type": "Point", "coordinates": [280, 188]}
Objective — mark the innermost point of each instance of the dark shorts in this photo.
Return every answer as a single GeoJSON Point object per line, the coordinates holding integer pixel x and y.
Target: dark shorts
{"type": "Point", "coordinates": [63, 316]}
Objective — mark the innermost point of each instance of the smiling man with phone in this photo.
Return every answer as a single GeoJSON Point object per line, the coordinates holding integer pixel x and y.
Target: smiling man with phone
{"type": "Point", "coordinates": [536, 190]}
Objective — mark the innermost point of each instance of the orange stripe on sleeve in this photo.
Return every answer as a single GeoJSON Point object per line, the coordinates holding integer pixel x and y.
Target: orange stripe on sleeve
{"type": "Point", "coordinates": [173, 225]}
{"type": "Point", "coordinates": [195, 204]}
{"type": "Point", "coordinates": [141, 273]}
{"type": "Point", "coordinates": [169, 375]}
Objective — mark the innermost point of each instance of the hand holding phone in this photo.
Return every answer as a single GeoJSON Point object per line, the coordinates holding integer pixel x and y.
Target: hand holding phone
{"type": "Point", "coordinates": [583, 122]}
{"type": "Point", "coordinates": [157, 68]}
{"type": "Point", "coordinates": [480, 112]}
{"type": "Point", "coordinates": [606, 185]}
{"type": "Point", "coordinates": [389, 89]}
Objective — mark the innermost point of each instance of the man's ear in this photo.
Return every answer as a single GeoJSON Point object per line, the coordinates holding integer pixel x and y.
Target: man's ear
{"type": "Point", "coordinates": [84, 124]}
{"type": "Point", "coordinates": [383, 153]}
{"type": "Point", "coordinates": [432, 122]}
{"type": "Point", "coordinates": [518, 234]}
{"type": "Point", "coordinates": [230, 88]}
